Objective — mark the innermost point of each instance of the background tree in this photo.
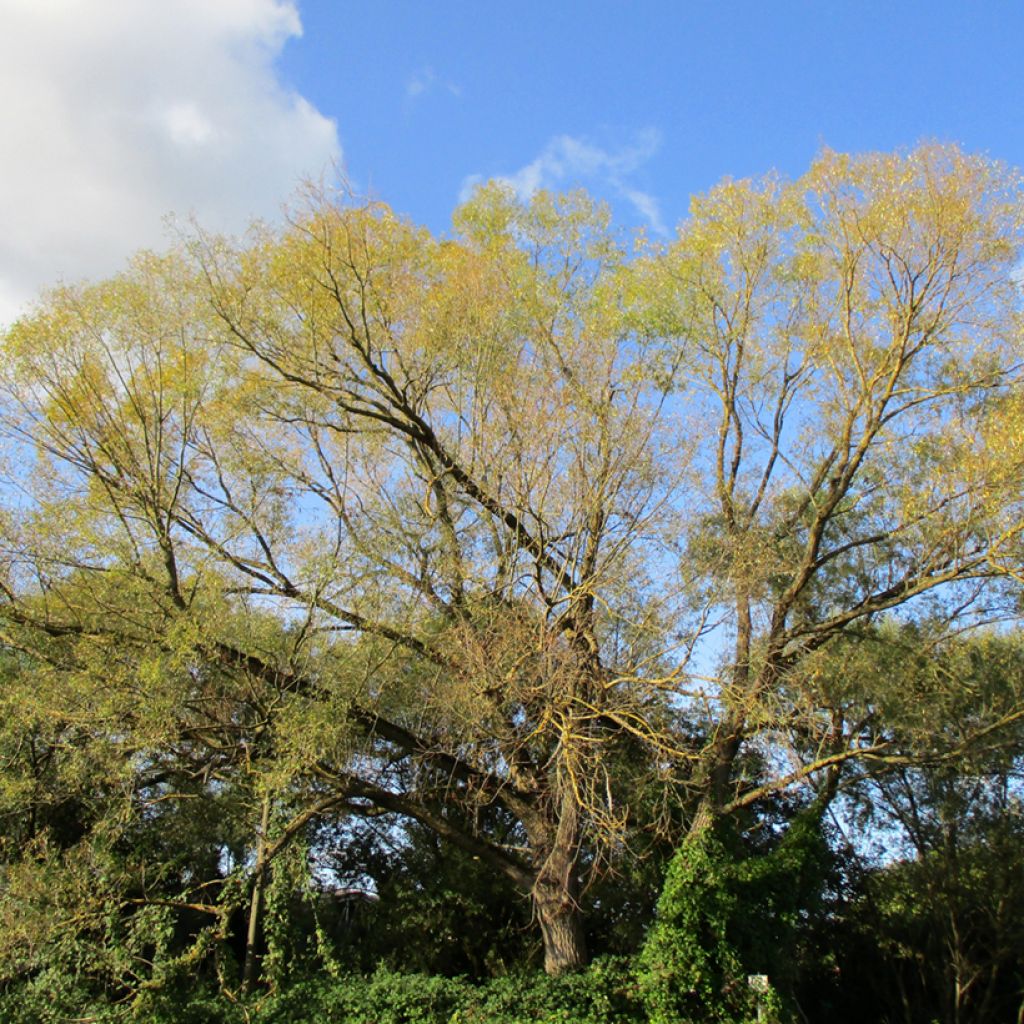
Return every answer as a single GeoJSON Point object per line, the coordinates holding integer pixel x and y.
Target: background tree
{"type": "Point", "coordinates": [938, 902]}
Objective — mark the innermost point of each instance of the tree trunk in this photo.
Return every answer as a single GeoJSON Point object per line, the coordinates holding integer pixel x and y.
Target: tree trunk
{"type": "Point", "coordinates": [252, 934]}
{"type": "Point", "coordinates": [556, 893]}
{"type": "Point", "coordinates": [561, 925]}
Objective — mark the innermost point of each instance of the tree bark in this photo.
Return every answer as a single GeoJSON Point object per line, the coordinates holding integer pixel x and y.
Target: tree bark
{"type": "Point", "coordinates": [561, 925]}
{"type": "Point", "coordinates": [556, 892]}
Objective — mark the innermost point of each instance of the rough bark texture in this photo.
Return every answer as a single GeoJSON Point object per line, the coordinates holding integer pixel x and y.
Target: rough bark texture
{"type": "Point", "coordinates": [561, 925]}
{"type": "Point", "coordinates": [556, 892]}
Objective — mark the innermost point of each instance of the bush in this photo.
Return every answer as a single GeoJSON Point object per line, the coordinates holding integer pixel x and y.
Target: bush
{"type": "Point", "coordinates": [602, 994]}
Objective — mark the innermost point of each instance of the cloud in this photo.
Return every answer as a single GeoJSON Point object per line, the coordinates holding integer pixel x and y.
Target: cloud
{"type": "Point", "coordinates": [567, 160]}
{"type": "Point", "coordinates": [425, 80]}
{"type": "Point", "coordinates": [116, 114]}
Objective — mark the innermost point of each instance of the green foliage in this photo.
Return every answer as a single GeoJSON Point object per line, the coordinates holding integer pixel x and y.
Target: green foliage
{"type": "Point", "coordinates": [381, 998]}
{"type": "Point", "coordinates": [437, 909]}
{"type": "Point", "coordinates": [54, 996]}
{"type": "Point", "coordinates": [602, 994]}
{"type": "Point", "coordinates": [727, 913]}
{"type": "Point", "coordinates": [781, 893]}
{"type": "Point", "coordinates": [937, 935]}
{"type": "Point", "coordinates": [344, 527]}
{"type": "Point", "coordinates": [690, 970]}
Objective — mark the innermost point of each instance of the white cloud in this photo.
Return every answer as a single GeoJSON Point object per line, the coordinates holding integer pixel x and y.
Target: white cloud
{"type": "Point", "coordinates": [188, 125]}
{"type": "Point", "coordinates": [425, 80]}
{"type": "Point", "coordinates": [116, 113]}
{"type": "Point", "coordinates": [567, 160]}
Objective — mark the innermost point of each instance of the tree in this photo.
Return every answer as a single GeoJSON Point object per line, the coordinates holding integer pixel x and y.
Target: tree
{"type": "Point", "coordinates": [135, 780]}
{"type": "Point", "coordinates": [934, 924]}
{"type": "Point", "coordinates": [945, 922]}
{"type": "Point", "coordinates": [472, 479]}
{"type": "Point", "coordinates": [854, 338]}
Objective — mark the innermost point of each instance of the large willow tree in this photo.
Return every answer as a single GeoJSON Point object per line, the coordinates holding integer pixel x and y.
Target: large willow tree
{"type": "Point", "coordinates": [529, 520]}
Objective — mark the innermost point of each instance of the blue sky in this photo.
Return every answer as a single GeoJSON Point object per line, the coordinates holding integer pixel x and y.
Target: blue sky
{"type": "Point", "coordinates": [426, 94]}
{"type": "Point", "coordinates": [118, 112]}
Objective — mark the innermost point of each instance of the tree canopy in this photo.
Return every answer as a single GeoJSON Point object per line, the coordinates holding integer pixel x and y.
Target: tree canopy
{"type": "Point", "coordinates": [557, 543]}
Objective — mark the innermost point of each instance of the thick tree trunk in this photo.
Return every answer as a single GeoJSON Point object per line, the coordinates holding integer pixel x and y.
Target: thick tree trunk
{"type": "Point", "coordinates": [561, 925]}
{"type": "Point", "coordinates": [556, 891]}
